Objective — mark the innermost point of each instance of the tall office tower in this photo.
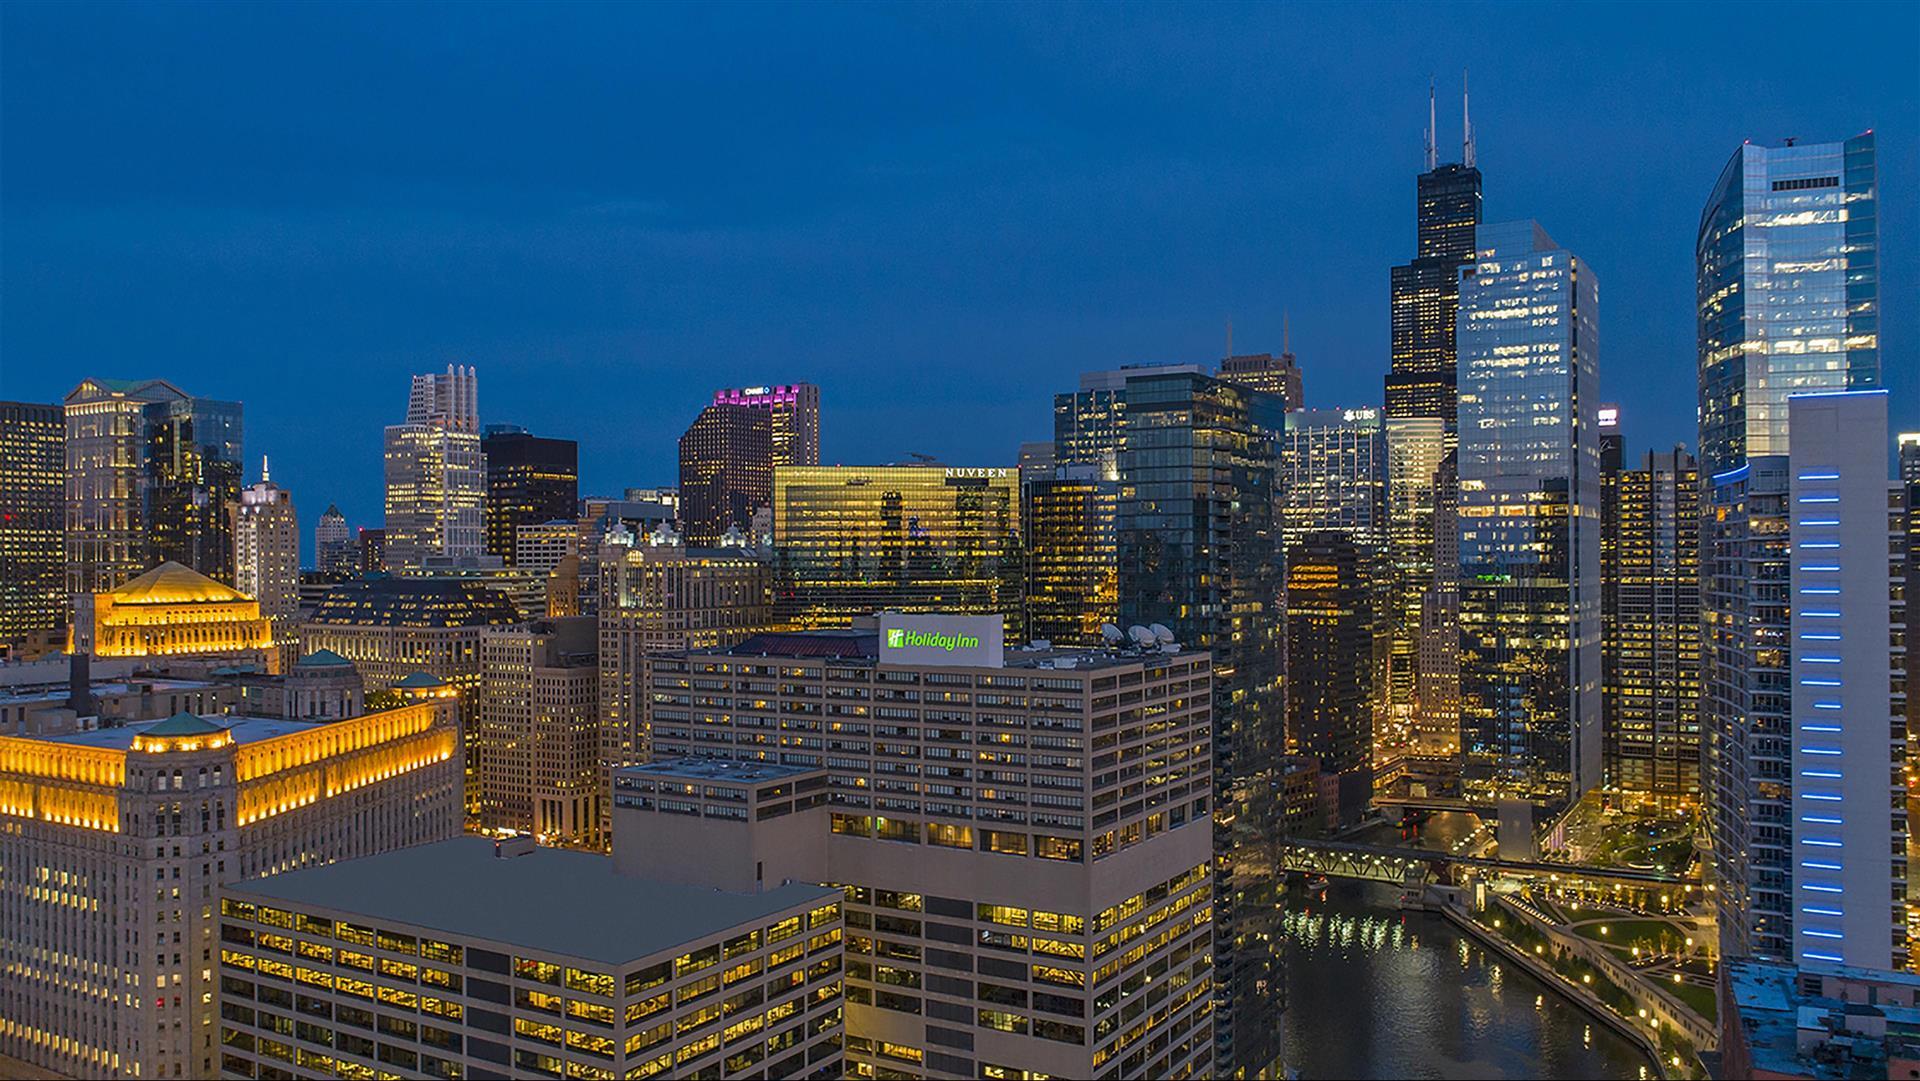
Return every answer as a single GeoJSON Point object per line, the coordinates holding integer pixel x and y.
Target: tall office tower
{"type": "Point", "coordinates": [1088, 423]}
{"type": "Point", "coordinates": [1333, 476]}
{"type": "Point", "coordinates": [1265, 372]}
{"type": "Point", "coordinates": [1612, 464]}
{"type": "Point", "coordinates": [530, 480]}
{"type": "Point", "coordinates": [852, 540]}
{"type": "Point", "coordinates": [373, 549]}
{"type": "Point", "coordinates": [570, 969]}
{"type": "Point", "coordinates": [33, 510]}
{"type": "Point", "coordinates": [537, 748]}
{"type": "Point", "coordinates": [726, 471]}
{"type": "Point", "coordinates": [1787, 292]}
{"type": "Point", "coordinates": [1073, 583]}
{"type": "Point", "coordinates": [655, 598]}
{"type": "Point", "coordinates": [1848, 839]}
{"type": "Point", "coordinates": [192, 475]}
{"type": "Point", "coordinates": [1330, 629]}
{"type": "Point", "coordinates": [1435, 731]}
{"type": "Point", "coordinates": [150, 470]}
{"type": "Point", "coordinates": [1909, 457]}
{"type": "Point", "coordinates": [1416, 447]}
{"type": "Point", "coordinates": [1036, 461]}
{"type": "Point", "coordinates": [266, 550]}
{"type": "Point", "coordinates": [451, 400]}
{"type": "Point", "coordinates": [1426, 292]}
{"type": "Point", "coordinates": [333, 547]}
{"type": "Point", "coordinates": [1199, 553]}
{"type": "Point", "coordinates": [539, 548]}
{"type": "Point", "coordinates": [793, 412]}
{"type": "Point", "coordinates": [1651, 647]}
{"type": "Point", "coordinates": [1529, 465]}
{"type": "Point", "coordinates": [124, 835]}
{"type": "Point", "coordinates": [991, 941]}
{"type": "Point", "coordinates": [436, 473]}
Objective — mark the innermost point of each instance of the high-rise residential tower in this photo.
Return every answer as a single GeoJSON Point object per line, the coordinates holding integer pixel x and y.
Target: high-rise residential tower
{"type": "Point", "coordinates": [33, 593]}
{"type": "Point", "coordinates": [1088, 423]}
{"type": "Point", "coordinates": [1787, 290]}
{"type": "Point", "coordinates": [1529, 468]}
{"type": "Point", "coordinates": [150, 471]}
{"type": "Point", "coordinates": [726, 471]}
{"type": "Point", "coordinates": [530, 480]}
{"type": "Point", "coordinates": [334, 551]}
{"type": "Point", "coordinates": [1199, 554]}
{"type": "Point", "coordinates": [793, 413]}
{"type": "Point", "coordinates": [436, 474]}
{"type": "Point", "coordinates": [1073, 582]}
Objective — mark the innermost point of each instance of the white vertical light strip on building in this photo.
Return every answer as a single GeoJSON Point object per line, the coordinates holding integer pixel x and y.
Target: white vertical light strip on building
{"type": "Point", "coordinates": [1843, 762]}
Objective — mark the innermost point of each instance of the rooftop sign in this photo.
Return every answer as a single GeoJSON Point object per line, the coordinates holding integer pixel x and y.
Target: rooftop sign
{"type": "Point", "coordinates": [959, 641]}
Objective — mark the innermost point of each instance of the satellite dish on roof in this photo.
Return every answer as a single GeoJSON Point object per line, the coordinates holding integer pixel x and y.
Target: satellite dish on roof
{"type": "Point", "coordinates": [1113, 634]}
{"type": "Point", "coordinates": [1141, 636]}
{"type": "Point", "coordinates": [1161, 634]}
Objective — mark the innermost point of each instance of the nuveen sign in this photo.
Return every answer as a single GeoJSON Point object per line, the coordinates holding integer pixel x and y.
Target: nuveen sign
{"type": "Point", "coordinates": [974, 641]}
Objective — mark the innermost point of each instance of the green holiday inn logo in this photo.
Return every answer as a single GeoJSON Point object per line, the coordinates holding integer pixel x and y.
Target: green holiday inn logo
{"type": "Point", "coordinates": [900, 638]}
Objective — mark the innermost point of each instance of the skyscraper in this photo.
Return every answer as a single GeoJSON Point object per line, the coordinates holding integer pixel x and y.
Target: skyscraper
{"type": "Point", "coordinates": [1330, 631]}
{"type": "Point", "coordinates": [33, 595]}
{"type": "Point", "coordinates": [333, 547]}
{"type": "Point", "coordinates": [1425, 293]}
{"type": "Point", "coordinates": [436, 473]}
{"type": "Point", "coordinates": [150, 470]}
{"type": "Point", "coordinates": [1651, 646]}
{"type": "Point", "coordinates": [1333, 476]}
{"type": "Point", "coordinates": [1846, 838]}
{"type": "Point", "coordinates": [1910, 457]}
{"type": "Point", "coordinates": [1265, 372]}
{"type": "Point", "coordinates": [1415, 448]}
{"type": "Point", "coordinates": [1199, 554]}
{"type": "Point", "coordinates": [1073, 584]}
{"type": "Point", "coordinates": [1787, 288]}
{"type": "Point", "coordinates": [793, 413]}
{"type": "Point", "coordinates": [531, 480]}
{"type": "Point", "coordinates": [726, 471]}
{"type": "Point", "coordinates": [853, 540]}
{"type": "Point", "coordinates": [1088, 423]}
{"type": "Point", "coordinates": [536, 747]}
{"type": "Point", "coordinates": [1529, 528]}
{"type": "Point", "coordinates": [266, 551]}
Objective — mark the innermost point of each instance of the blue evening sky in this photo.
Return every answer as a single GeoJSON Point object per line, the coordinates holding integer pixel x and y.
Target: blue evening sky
{"type": "Point", "coordinates": [940, 214]}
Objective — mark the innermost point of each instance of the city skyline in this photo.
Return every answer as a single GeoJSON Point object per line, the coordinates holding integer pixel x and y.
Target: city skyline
{"type": "Point", "coordinates": [874, 278]}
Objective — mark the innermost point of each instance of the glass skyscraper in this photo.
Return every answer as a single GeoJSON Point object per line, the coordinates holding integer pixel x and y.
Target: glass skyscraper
{"type": "Point", "coordinates": [531, 480]}
{"type": "Point", "coordinates": [1199, 553]}
{"type": "Point", "coordinates": [1072, 580]}
{"type": "Point", "coordinates": [1425, 294]}
{"type": "Point", "coordinates": [1333, 476]}
{"type": "Point", "coordinates": [1787, 286]}
{"type": "Point", "coordinates": [1529, 471]}
{"type": "Point", "coordinates": [1087, 424]}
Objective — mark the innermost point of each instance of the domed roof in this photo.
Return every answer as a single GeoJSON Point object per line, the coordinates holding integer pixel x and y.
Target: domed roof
{"type": "Point", "coordinates": [420, 680]}
{"type": "Point", "coordinates": [171, 583]}
{"type": "Point", "coordinates": [184, 724]}
{"type": "Point", "coordinates": [323, 658]}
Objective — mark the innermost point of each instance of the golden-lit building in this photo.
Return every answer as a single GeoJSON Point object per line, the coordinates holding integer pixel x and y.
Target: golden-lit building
{"type": "Point", "coordinates": [171, 611]}
{"type": "Point", "coordinates": [117, 842]}
{"type": "Point", "coordinates": [1073, 572]}
{"type": "Point", "coordinates": [854, 540]}
{"type": "Point", "coordinates": [33, 595]}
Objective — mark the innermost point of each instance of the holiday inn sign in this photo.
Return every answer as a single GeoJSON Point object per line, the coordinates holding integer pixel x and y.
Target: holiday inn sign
{"type": "Point", "coordinates": [973, 641]}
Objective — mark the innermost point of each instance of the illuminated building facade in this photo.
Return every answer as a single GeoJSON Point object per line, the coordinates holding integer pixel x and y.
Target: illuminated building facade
{"type": "Point", "coordinates": [1787, 291]}
{"type": "Point", "coordinates": [1265, 372]}
{"type": "Point", "coordinates": [1847, 839]}
{"type": "Point", "coordinates": [333, 547]}
{"type": "Point", "coordinates": [656, 598]}
{"type": "Point", "coordinates": [1073, 580]}
{"type": "Point", "coordinates": [1425, 294]}
{"type": "Point", "coordinates": [150, 470]}
{"type": "Point", "coordinates": [539, 547]}
{"type": "Point", "coordinates": [1529, 468]}
{"type": "Point", "coordinates": [852, 540]}
{"type": "Point", "coordinates": [1199, 553]}
{"type": "Point", "coordinates": [1416, 447]}
{"type": "Point", "coordinates": [726, 471]}
{"type": "Point", "coordinates": [1009, 896]}
{"type": "Point", "coordinates": [170, 611]}
{"type": "Point", "coordinates": [536, 749]}
{"type": "Point", "coordinates": [1330, 630]}
{"type": "Point", "coordinates": [1651, 697]}
{"type": "Point", "coordinates": [475, 958]}
{"type": "Point", "coordinates": [122, 838]}
{"type": "Point", "coordinates": [436, 494]}
{"type": "Point", "coordinates": [793, 413]}
{"type": "Point", "coordinates": [1089, 423]}
{"type": "Point", "coordinates": [266, 550]}
{"type": "Point", "coordinates": [391, 628]}
{"type": "Point", "coordinates": [1333, 476]}
{"type": "Point", "coordinates": [33, 583]}
{"type": "Point", "coordinates": [530, 479]}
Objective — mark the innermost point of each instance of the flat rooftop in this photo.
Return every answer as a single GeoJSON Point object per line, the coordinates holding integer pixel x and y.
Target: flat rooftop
{"type": "Point", "coordinates": [244, 730]}
{"type": "Point", "coordinates": [718, 769]}
{"type": "Point", "coordinates": [58, 692]}
{"type": "Point", "coordinates": [857, 646]}
{"type": "Point", "coordinates": [556, 900]}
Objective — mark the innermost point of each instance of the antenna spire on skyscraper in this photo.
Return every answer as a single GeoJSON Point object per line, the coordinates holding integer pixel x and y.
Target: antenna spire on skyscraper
{"type": "Point", "coordinates": [1433, 147]}
{"type": "Point", "coordinates": [1466, 124]}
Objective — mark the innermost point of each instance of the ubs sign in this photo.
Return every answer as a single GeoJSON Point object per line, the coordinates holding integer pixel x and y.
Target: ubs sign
{"type": "Point", "coordinates": [969, 641]}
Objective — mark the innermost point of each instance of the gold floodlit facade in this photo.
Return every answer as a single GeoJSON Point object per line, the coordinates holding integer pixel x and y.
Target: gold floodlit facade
{"type": "Point", "coordinates": [170, 611]}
